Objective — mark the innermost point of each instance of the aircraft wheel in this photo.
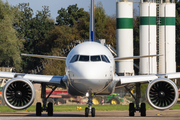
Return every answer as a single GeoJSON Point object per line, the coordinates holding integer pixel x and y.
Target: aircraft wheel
{"type": "Point", "coordinates": [50, 109]}
{"type": "Point", "coordinates": [143, 109]}
{"type": "Point", "coordinates": [86, 112]}
{"type": "Point", "coordinates": [93, 112]}
{"type": "Point", "coordinates": [131, 109]}
{"type": "Point", "coordinates": [38, 109]}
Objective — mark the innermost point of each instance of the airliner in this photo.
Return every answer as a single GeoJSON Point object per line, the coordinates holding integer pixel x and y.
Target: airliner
{"type": "Point", "coordinates": [90, 71]}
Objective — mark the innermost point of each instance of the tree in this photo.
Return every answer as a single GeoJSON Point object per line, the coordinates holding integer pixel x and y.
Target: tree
{"type": "Point", "coordinates": [58, 39]}
{"type": "Point", "coordinates": [109, 32]}
{"type": "Point", "coordinates": [34, 31]}
{"type": "Point", "coordinates": [100, 20]}
{"type": "Point", "coordinates": [10, 44]}
{"type": "Point", "coordinates": [83, 26]}
{"type": "Point", "coordinates": [70, 15]}
{"type": "Point", "coordinates": [178, 35]}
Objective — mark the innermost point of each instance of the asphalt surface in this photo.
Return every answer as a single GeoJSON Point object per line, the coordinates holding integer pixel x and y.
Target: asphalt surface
{"type": "Point", "coordinates": [105, 115]}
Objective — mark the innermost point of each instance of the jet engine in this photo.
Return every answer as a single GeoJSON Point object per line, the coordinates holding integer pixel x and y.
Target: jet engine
{"type": "Point", "coordinates": [162, 94]}
{"type": "Point", "coordinates": [18, 93]}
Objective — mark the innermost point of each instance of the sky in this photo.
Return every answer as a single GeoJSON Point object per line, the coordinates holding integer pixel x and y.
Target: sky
{"type": "Point", "coordinates": [55, 5]}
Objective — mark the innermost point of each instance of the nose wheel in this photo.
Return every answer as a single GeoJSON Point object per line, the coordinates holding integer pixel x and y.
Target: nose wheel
{"type": "Point", "coordinates": [89, 109]}
{"type": "Point", "coordinates": [87, 112]}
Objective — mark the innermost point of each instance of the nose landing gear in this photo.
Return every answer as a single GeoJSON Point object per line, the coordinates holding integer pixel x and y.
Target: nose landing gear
{"type": "Point", "coordinates": [89, 109]}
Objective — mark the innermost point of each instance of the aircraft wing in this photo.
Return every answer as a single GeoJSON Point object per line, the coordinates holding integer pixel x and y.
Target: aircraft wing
{"type": "Point", "coordinates": [45, 56]}
{"type": "Point", "coordinates": [134, 57]}
{"type": "Point", "coordinates": [128, 80]}
{"type": "Point", "coordinates": [173, 75]}
{"type": "Point", "coordinates": [135, 79]}
{"type": "Point", "coordinates": [49, 79]}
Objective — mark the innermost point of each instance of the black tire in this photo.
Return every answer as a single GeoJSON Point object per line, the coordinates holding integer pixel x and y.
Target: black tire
{"type": "Point", "coordinates": [114, 101]}
{"type": "Point", "coordinates": [143, 109]}
{"type": "Point", "coordinates": [131, 109]}
{"type": "Point", "coordinates": [38, 109]}
{"type": "Point", "coordinates": [50, 109]}
{"type": "Point", "coordinates": [93, 112]}
{"type": "Point", "coordinates": [86, 112]}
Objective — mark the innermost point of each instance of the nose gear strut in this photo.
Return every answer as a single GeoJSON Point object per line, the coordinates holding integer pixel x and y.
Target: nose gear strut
{"type": "Point", "coordinates": [89, 109]}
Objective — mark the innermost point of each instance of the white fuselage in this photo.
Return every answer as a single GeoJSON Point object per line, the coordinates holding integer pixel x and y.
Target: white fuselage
{"type": "Point", "coordinates": [90, 67]}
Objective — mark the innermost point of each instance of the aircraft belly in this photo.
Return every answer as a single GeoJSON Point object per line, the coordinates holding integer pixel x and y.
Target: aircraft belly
{"type": "Point", "coordinates": [93, 85]}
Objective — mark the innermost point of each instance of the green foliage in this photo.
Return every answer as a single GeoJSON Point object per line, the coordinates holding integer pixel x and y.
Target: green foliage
{"type": "Point", "coordinates": [178, 35]}
{"type": "Point", "coordinates": [34, 31]}
{"type": "Point", "coordinates": [83, 26]}
{"type": "Point", "coordinates": [57, 40]}
{"type": "Point", "coordinates": [109, 31]}
{"type": "Point", "coordinates": [100, 20]}
{"type": "Point", "coordinates": [70, 15]}
{"type": "Point", "coordinates": [10, 43]}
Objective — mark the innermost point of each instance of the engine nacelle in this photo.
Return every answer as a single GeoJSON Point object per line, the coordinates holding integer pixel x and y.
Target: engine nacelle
{"type": "Point", "coordinates": [18, 93]}
{"type": "Point", "coordinates": [162, 94]}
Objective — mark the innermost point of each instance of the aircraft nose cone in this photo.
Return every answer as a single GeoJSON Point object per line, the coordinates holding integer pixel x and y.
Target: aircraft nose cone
{"type": "Point", "coordinates": [91, 77]}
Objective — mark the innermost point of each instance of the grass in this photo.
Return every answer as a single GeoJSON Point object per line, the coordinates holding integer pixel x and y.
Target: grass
{"type": "Point", "coordinates": [63, 108]}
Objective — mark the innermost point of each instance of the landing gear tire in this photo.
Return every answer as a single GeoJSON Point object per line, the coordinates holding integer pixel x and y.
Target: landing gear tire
{"type": "Point", "coordinates": [86, 112]}
{"type": "Point", "coordinates": [143, 109]}
{"type": "Point", "coordinates": [50, 109]}
{"type": "Point", "coordinates": [93, 112]}
{"type": "Point", "coordinates": [38, 109]}
{"type": "Point", "coordinates": [131, 109]}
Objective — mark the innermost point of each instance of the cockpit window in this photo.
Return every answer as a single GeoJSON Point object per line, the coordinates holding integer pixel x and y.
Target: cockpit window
{"type": "Point", "coordinates": [95, 58]}
{"type": "Point", "coordinates": [84, 58]}
{"type": "Point", "coordinates": [105, 59]}
{"type": "Point", "coordinates": [74, 59]}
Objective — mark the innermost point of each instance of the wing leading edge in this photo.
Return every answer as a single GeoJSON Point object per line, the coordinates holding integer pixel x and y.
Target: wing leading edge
{"type": "Point", "coordinates": [45, 56]}
{"type": "Point", "coordinates": [49, 79]}
{"type": "Point", "coordinates": [134, 57]}
{"type": "Point", "coordinates": [126, 80]}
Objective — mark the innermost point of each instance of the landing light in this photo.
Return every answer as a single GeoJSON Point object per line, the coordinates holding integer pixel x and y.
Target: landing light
{"type": "Point", "coordinates": [87, 94]}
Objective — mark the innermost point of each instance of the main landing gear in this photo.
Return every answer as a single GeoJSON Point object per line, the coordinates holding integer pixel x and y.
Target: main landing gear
{"type": "Point", "coordinates": [141, 109]}
{"type": "Point", "coordinates": [89, 109]}
{"type": "Point", "coordinates": [49, 107]}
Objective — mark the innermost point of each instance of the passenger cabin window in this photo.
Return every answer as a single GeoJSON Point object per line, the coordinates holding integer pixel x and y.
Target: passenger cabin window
{"type": "Point", "coordinates": [74, 59]}
{"type": "Point", "coordinates": [105, 59]}
{"type": "Point", "coordinates": [84, 58]}
{"type": "Point", "coordinates": [95, 58]}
